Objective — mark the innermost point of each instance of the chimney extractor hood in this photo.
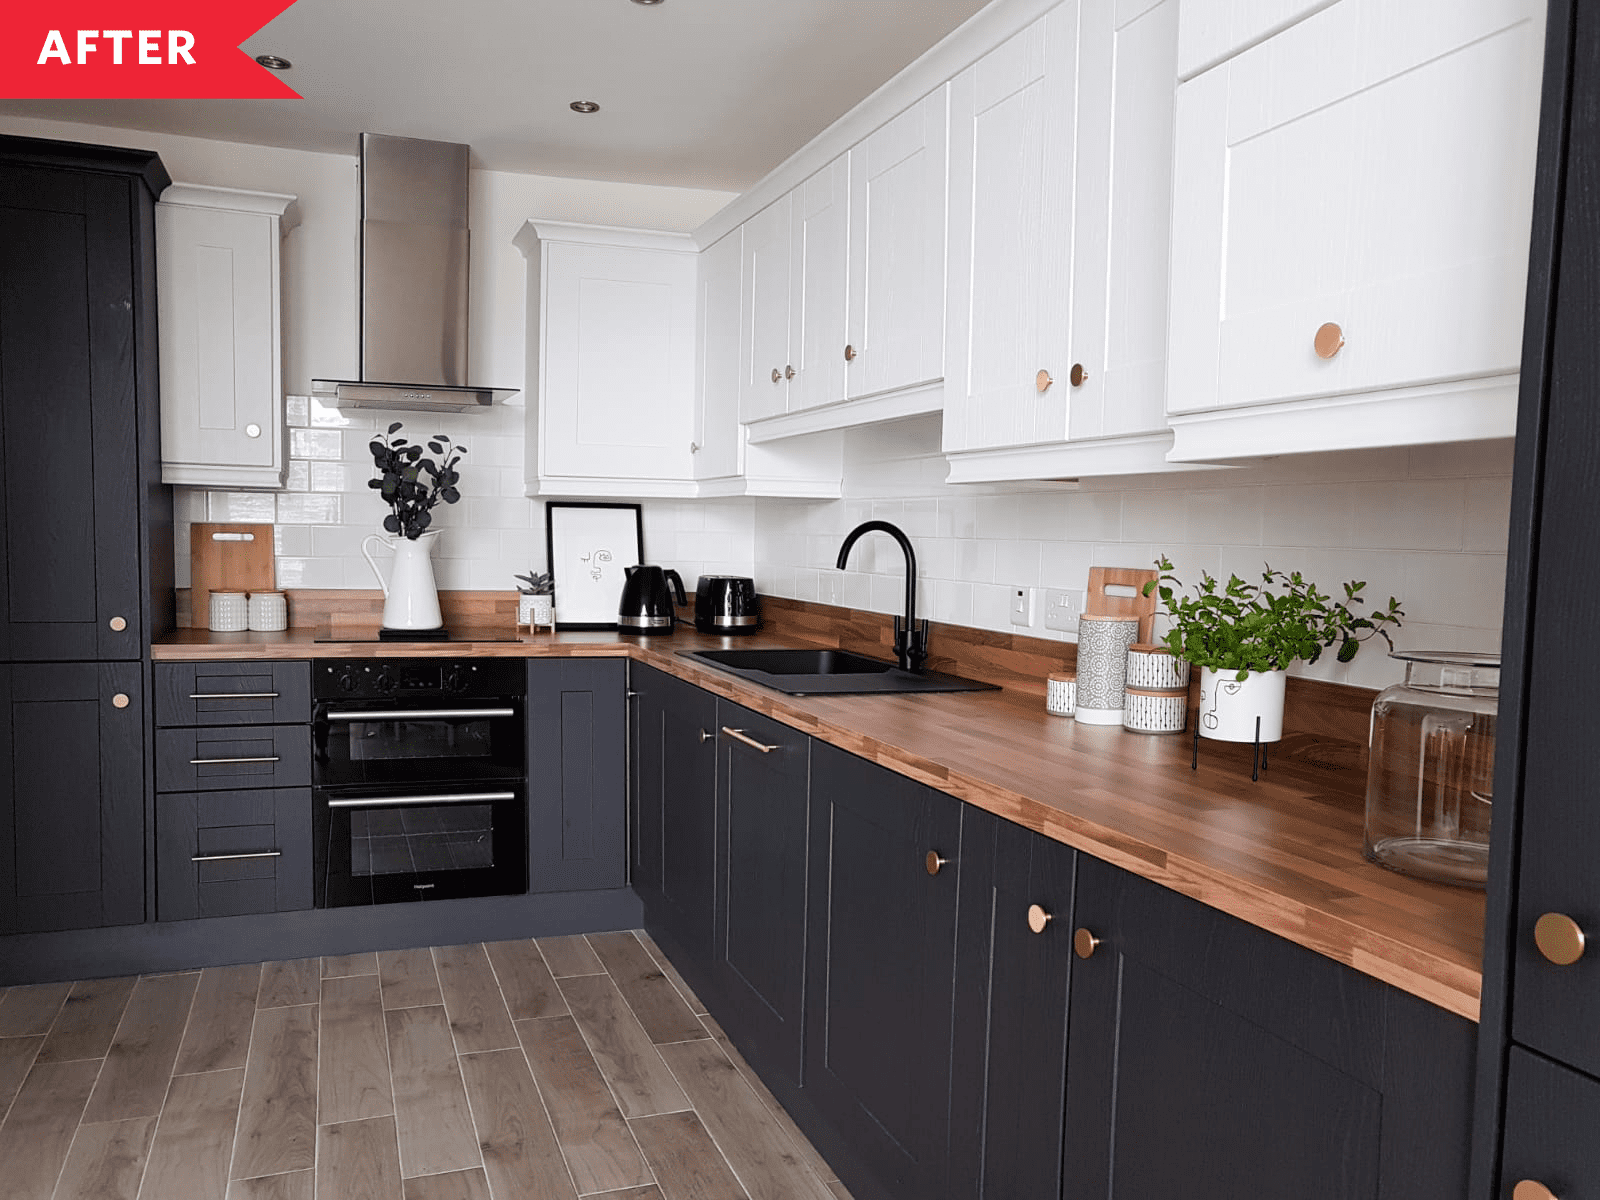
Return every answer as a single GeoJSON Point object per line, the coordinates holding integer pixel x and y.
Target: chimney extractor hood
{"type": "Point", "coordinates": [414, 244]}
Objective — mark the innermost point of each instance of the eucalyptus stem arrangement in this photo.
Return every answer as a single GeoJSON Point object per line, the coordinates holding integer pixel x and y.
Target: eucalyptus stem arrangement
{"type": "Point", "coordinates": [411, 484]}
{"type": "Point", "coordinates": [1266, 626]}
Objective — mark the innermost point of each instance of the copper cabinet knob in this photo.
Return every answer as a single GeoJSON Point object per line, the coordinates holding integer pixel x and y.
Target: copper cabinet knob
{"type": "Point", "coordinates": [1077, 376]}
{"type": "Point", "coordinates": [1559, 938]}
{"type": "Point", "coordinates": [120, 700]}
{"type": "Point", "coordinates": [788, 372]}
{"type": "Point", "coordinates": [1531, 1189]}
{"type": "Point", "coordinates": [849, 354]}
{"type": "Point", "coordinates": [1042, 380]}
{"type": "Point", "coordinates": [933, 862]}
{"type": "Point", "coordinates": [777, 375]}
{"type": "Point", "coordinates": [1084, 943]}
{"type": "Point", "coordinates": [118, 624]}
{"type": "Point", "coordinates": [1329, 340]}
{"type": "Point", "coordinates": [1038, 918]}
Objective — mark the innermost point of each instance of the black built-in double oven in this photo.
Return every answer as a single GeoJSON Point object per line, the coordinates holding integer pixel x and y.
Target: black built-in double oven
{"type": "Point", "coordinates": [419, 779]}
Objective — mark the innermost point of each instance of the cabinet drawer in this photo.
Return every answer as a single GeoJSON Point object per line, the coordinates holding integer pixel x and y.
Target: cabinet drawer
{"type": "Point", "coordinates": [209, 759]}
{"type": "Point", "coordinates": [233, 693]}
{"type": "Point", "coordinates": [222, 854]}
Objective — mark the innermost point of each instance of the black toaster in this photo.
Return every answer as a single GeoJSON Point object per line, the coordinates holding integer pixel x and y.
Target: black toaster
{"type": "Point", "coordinates": [726, 604]}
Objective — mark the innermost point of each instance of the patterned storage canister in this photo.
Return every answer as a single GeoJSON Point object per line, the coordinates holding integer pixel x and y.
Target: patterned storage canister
{"type": "Point", "coordinates": [1103, 666]}
{"type": "Point", "coordinates": [269, 612]}
{"type": "Point", "coordinates": [1061, 693]}
{"type": "Point", "coordinates": [230, 612]}
{"type": "Point", "coordinates": [1156, 668]}
{"type": "Point", "coordinates": [1148, 710]}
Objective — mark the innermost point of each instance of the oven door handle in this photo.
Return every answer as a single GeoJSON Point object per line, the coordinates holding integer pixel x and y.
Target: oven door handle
{"type": "Point", "coordinates": [422, 714]}
{"type": "Point", "coordinates": [398, 801]}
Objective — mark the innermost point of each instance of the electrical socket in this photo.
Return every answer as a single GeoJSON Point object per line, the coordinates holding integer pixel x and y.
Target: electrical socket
{"type": "Point", "coordinates": [1061, 609]}
{"type": "Point", "coordinates": [1022, 606]}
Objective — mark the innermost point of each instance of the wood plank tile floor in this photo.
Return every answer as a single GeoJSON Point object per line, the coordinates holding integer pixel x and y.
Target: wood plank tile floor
{"type": "Point", "coordinates": [551, 1068]}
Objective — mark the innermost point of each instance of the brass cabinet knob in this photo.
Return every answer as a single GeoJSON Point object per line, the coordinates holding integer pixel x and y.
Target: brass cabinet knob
{"type": "Point", "coordinates": [1559, 938]}
{"type": "Point", "coordinates": [120, 700]}
{"type": "Point", "coordinates": [1077, 376]}
{"type": "Point", "coordinates": [118, 624]}
{"type": "Point", "coordinates": [788, 372]}
{"type": "Point", "coordinates": [1084, 943]}
{"type": "Point", "coordinates": [777, 375]}
{"type": "Point", "coordinates": [1532, 1189]}
{"type": "Point", "coordinates": [849, 354]}
{"type": "Point", "coordinates": [1042, 380]}
{"type": "Point", "coordinates": [933, 862]}
{"type": "Point", "coordinates": [1329, 340]}
{"type": "Point", "coordinates": [1038, 918]}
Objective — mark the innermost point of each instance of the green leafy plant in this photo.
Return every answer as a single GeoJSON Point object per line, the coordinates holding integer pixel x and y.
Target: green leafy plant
{"type": "Point", "coordinates": [412, 484]}
{"type": "Point", "coordinates": [1245, 627]}
{"type": "Point", "coordinates": [538, 583]}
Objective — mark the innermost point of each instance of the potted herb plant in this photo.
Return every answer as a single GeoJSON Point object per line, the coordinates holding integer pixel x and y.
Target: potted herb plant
{"type": "Point", "coordinates": [1243, 636]}
{"type": "Point", "coordinates": [535, 605]}
{"type": "Point", "coordinates": [412, 484]}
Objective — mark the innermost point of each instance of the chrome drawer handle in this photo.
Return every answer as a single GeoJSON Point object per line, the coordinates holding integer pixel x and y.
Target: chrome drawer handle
{"type": "Point", "coordinates": [213, 762]}
{"type": "Point", "coordinates": [422, 714]}
{"type": "Point", "coordinates": [232, 857]}
{"type": "Point", "coordinates": [740, 735]}
{"type": "Point", "coordinates": [233, 695]}
{"type": "Point", "coordinates": [396, 801]}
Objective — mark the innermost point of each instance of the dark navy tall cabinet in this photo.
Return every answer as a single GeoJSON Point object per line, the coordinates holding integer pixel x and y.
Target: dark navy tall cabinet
{"type": "Point", "coordinates": [85, 531]}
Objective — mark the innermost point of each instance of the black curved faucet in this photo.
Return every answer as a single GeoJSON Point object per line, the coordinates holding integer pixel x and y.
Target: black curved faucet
{"type": "Point", "coordinates": [910, 641]}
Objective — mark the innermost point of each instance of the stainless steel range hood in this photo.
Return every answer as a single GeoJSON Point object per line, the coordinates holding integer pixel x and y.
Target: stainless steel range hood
{"type": "Point", "coordinates": [414, 261]}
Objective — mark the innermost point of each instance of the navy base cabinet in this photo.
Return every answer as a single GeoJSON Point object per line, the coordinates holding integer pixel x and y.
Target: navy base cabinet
{"type": "Point", "coordinates": [577, 774]}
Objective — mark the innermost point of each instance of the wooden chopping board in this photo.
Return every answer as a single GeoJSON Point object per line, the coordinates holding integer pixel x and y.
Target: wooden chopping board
{"type": "Point", "coordinates": [227, 558]}
{"type": "Point", "coordinates": [1100, 601]}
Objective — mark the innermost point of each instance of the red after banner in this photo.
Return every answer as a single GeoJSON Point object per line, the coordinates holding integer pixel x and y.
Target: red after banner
{"type": "Point", "coordinates": [137, 49]}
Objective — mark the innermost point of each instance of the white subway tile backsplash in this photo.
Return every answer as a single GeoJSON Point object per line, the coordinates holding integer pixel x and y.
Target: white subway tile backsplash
{"type": "Point", "coordinates": [1307, 515]}
{"type": "Point", "coordinates": [1093, 516]}
{"type": "Point", "coordinates": [975, 560]}
{"type": "Point", "coordinates": [296, 411]}
{"type": "Point", "coordinates": [1409, 514]}
{"type": "Point", "coordinates": [1155, 516]}
{"type": "Point", "coordinates": [325, 444]}
{"type": "Point", "coordinates": [309, 508]}
{"type": "Point", "coordinates": [1229, 515]}
{"type": "Point", "coordinates": [299, 478]}
{"type": "Point", "coordinates": [1016, 562]}
{"type": "Point", "coordinates": [334, 477]}
{"type": "Point", "coordinates": [243, 506]}
{"type": "Point", "coordinates": [1484, 515]}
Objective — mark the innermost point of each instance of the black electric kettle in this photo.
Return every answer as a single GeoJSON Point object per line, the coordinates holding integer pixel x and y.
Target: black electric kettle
{"type": "Point", "coordinates": [646, 605]}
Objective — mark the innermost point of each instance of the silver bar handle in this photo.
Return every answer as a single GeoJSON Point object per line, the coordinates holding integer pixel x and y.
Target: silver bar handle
{"type": "Point", "coordinates": [740, 735]}
{"type": "Point", "coordinates": [232, 857]}
{"type": "Point", "coordinates": [397, 801]}
{"type": "Point", "coordinates": [213, 762]}
{"type": "Point", "coordinates": [233, 695]}
{"type": "Point", "coordinates": [421, 714]}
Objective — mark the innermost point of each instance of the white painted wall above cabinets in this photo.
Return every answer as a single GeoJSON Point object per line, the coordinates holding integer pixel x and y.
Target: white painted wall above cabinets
{"type": "Point", "coordinates": [218, 279]}
{"type": "Point", "coordinates": [1370, 167]}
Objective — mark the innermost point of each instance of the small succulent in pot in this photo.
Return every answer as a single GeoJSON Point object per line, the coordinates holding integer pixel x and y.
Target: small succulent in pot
{"type": "Point", "coordinates": [411, 483]}
{"type": "Point", "coordinates": [535, 583]}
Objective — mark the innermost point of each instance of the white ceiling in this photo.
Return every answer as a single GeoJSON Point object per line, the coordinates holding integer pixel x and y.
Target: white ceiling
{"type": "Point", "coordinates": [695, 93]}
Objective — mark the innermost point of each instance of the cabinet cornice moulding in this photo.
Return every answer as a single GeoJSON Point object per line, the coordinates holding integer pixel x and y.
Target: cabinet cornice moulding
{"type": "Point", "coordinates": [918, 400]}
{"type": "Point", "coordinates": [1132, 454]}
{"type": "Point", "coordinates": [959, 49]}
{"type": "Point", "coordinates": [534, 232]}
{"type": "Point", "coordinates": [272, 204]}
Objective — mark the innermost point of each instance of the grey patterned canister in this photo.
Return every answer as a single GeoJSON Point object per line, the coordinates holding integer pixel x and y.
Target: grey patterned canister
{"type": "Point", "coordinates": [1102, 667]}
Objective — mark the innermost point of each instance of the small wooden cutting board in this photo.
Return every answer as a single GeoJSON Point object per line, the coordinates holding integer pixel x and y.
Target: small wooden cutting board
{"type": "Point", "coordinates": [1098, 602]}
{"type": "Point", "coordinates": [227, 558]}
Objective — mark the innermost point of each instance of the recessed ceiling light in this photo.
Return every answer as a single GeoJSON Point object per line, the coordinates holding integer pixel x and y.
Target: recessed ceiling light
{"type": "Point", "coordinates": [273, 63]}
{"type": "Point", "coordinates": [584, 106]}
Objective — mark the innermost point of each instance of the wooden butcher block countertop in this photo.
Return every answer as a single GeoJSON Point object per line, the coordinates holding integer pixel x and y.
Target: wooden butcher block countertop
{"type": "Point", "coordinates": [1283, 854]}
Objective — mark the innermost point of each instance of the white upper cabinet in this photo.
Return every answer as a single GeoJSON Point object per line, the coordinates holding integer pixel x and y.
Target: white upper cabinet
{"type": "Point", "coordinates": [1060, 206]}
{"type": "Point", "coordinates": [819, 258]}
{"type": "Point", "coordinates": [612, 348]}
{"type": "Point", "coordinates": [1350, 238]}
{"type": "Point", "coordinates": [217, 272]}
{"type": "Point", "coordinates": [718, 437]}
{"type": "Point", "coordinates": [764, 309]}
{"type": "Point", "coordinates": [1212, 30]}
{"type": "Point", "coordinates": [898, 180]}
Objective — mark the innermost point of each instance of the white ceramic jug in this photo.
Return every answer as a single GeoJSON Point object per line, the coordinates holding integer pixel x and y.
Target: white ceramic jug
{"type": "Point", "coordinates": [411, 599]}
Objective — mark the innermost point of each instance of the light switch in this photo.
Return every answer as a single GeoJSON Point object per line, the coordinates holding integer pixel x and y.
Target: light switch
{"type": "Point", "coordinates": [1022, 606]}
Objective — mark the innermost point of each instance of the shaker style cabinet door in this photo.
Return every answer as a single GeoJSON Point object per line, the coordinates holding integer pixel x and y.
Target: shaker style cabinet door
{"type": "Point", "coordinates": [1551, 1118]}
{"type": "Point", "coordinates": [819, 285]}
{"type": "Point", "coordinates": [222, 421]}
{"type": "Point", "coordinates": [70, 326]}
{"type": "Point", "coordinates": [887, 857]}
{"type": "Point", "coordinates": [1351, 211]}
{"type": "Point", "coordinates": [72, 765]}
{"type": "Point", "coordinates": [764, 348]}
{"type": "Point", "coordinates": [718, 439]}
{"type": "Point", "coordinates": [1013, 116]}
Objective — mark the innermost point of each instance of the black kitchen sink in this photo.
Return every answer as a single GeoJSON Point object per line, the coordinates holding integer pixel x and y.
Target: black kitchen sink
{"type": "Point", "coordinates": [829, 672]}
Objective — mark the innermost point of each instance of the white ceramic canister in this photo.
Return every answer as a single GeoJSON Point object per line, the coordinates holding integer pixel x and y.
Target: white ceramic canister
{"type": "Point", "coordinates": [1155, 668]}
{"type": "Point", "coordinates": [1103, 666]}
{"type": "Point", "coordinates": [1151, 710]}
{"type": "Point", "coordinates": [1061, 693]}
{"type": "Point", "coordinates": [1229, 706]}
{"type": "Point", "coordinates": [269, 612]}
{"type": "Point", "coordinates": [230, 612]}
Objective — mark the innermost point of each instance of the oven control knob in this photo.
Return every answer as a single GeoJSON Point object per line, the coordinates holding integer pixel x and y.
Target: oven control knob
{"type": "Point", "coordinates": [346, 679]}
{"type": "Point", "coordinates": [455, 680]}
{"type": "Point", "coordinates": [385, 681]}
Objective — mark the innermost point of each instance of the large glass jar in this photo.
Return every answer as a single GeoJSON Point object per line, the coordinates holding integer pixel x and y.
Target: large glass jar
{"type": "Point", "coordinates": [1431, 775]}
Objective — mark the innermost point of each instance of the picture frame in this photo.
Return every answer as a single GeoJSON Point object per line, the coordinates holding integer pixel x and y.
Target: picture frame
{"type": "Point", "coordinates": [590, 544]}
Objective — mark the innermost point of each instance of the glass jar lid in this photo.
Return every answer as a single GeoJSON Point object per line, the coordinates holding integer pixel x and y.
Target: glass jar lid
{"type": "Point", "coordinates": [1460, 671]}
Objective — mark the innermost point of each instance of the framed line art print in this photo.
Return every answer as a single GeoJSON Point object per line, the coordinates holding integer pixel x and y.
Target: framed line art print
{"type": "Point", "coordinates": [590, 546]}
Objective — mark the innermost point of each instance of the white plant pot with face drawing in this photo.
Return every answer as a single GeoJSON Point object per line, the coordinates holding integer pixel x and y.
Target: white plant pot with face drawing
{"type": "Point", "coordinates": [1229, 706]}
